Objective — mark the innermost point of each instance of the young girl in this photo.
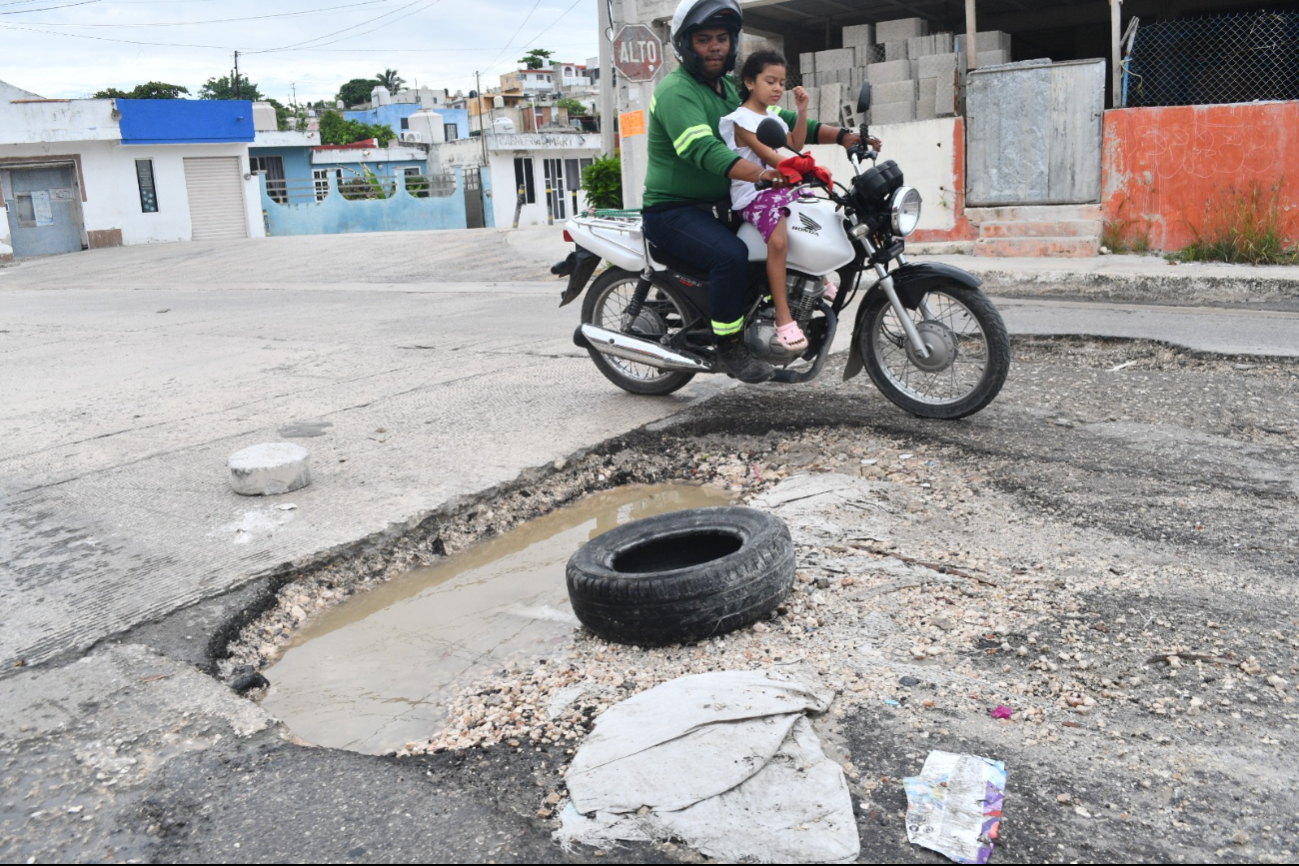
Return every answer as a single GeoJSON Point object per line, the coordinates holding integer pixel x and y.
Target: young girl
{"type": "Point", "coordinates": [762, 84]}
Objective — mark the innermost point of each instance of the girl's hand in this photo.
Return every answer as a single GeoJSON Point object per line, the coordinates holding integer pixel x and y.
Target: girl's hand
{"type": "Point", "coordinates": [801, 99]}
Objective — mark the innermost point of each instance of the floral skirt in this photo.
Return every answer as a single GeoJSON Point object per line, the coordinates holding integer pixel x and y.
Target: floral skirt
{"type": "Point", "coordinates": [767, 210]}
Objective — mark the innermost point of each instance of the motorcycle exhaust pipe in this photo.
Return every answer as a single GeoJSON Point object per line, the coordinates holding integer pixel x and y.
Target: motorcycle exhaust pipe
{"type": "Point", "coordinates": [631, 348]}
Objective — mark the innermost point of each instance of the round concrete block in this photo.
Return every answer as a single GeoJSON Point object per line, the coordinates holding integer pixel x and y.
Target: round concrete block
{"type": "Point", "coordinates": [265, 470]}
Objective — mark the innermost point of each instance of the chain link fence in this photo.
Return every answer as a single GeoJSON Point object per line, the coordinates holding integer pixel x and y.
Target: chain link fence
{"type": "Point", "coordinates": [1208, 61]}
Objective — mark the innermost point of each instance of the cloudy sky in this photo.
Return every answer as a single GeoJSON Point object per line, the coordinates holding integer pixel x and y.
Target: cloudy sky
{"type": "Point", "coordinates": [71, 48]}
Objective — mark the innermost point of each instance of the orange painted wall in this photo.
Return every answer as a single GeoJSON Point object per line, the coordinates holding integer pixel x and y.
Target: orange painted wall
{"type": "Point", "coordinates": [1162, 165]}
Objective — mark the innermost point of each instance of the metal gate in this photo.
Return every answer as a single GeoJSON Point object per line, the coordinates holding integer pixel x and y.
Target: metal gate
{"type": "Point", "coordinates": [1034, 133]}
{"type": "Point", "coordinates": [216, 197]}
{"type": "Point", "coordinates": [473, 198]}
{"type": "Point", "coordinates": [45, 212]}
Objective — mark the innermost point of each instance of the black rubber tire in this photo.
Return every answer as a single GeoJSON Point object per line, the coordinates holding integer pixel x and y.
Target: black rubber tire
{"type": "Point", "coordinates": [658, 386]}
{"type": "Point", "coordinates": [994, 376]}
{"type": "Point", "coordinates": [683, 576]}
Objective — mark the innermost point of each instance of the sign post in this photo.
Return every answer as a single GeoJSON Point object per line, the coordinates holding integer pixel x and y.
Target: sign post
{"type": "Point", "coordinates": [637, 53]}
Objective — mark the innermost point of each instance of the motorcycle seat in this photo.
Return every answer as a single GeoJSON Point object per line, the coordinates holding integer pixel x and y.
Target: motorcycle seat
{"type": "Point", "coordinates": [667, 259]}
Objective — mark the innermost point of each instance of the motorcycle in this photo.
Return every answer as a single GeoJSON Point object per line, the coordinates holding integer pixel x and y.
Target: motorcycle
{"type": "Point", "coordinates": [929, 339]}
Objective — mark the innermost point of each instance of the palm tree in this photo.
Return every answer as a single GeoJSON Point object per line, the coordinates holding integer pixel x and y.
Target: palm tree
{"type": "Point", "coordinates": [391, 80]}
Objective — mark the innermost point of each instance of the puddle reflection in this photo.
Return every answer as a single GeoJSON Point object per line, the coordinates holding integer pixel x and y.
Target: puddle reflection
{"type": "Point", "coordinates": [376, 671]}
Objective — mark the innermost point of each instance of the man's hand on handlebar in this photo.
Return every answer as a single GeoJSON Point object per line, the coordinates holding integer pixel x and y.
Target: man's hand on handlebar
{"type": "Point", "coordinates": [852, 139]}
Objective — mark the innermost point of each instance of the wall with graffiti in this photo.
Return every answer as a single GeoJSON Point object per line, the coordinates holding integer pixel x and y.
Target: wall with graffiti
{"type": "Point", "coordinates": [1169, 173]}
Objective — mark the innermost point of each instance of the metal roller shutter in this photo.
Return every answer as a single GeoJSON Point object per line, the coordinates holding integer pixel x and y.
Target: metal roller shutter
{"type": "Point", "coordinates": [216, 197]}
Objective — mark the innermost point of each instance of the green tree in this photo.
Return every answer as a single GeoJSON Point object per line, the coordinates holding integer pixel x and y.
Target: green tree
{"type": "Point", "coordinates": [391, 80]}
{"type": "Point", "coordinates": [335, 129]}
{"type": "Point", "coordinates": [574, 107]}
{"type": "Point", "coordinates": [536, 58]}
{"type": "Point", "coordinates": [148, 90]}
{"type": "Point", "coordinates": [602, 183]}
{"type": "Point", "coordinates": [356, 91]}
{"type": "Point", "coordinates": [225, 87]}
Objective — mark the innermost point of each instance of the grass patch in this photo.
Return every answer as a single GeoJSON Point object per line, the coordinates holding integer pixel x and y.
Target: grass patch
{"type": "Point", "coordinates": [1247, 227]}
{"type": "Point", "coordinates": [1125, 234]}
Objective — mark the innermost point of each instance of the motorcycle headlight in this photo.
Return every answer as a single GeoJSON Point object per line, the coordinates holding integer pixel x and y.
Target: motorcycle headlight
{"type": "Point", "coordinates": [905, 209]}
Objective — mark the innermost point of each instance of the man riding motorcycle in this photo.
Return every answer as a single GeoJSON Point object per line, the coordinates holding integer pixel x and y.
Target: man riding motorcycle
{"type": "Point", "coordinates": [687, 186]}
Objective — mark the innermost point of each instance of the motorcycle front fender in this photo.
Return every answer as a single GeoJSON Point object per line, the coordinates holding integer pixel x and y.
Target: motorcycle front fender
{"type": "Point", "coordinates": [911, 281]}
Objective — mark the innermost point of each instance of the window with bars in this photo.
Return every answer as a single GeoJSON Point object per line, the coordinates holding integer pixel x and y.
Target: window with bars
{"type": "Point", "coordinates": [523, 179]}
{"type": "Point", "coordinates": [148, 189]}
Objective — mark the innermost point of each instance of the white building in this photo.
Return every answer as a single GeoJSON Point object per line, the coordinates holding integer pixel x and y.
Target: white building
{"type": "Point", "coordinates": [87, 173]}
{"type": "Point", "coordinates": [542, 169]}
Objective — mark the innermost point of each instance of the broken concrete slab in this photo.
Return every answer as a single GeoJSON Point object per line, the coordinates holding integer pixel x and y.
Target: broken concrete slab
{"type": "Point", "coordinates": [269, 469]}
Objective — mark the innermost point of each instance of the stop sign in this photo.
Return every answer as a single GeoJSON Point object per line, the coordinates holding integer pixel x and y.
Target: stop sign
{"type": "Point", "coordinates": [637, 52]}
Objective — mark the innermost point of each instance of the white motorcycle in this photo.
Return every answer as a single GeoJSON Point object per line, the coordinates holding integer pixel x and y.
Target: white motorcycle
{"type": "Point", "coordinates": [930, 340]}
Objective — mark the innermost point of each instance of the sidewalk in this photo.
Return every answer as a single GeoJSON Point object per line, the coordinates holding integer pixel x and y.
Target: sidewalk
{"type": "Point", "coordinates": [1149, 279]}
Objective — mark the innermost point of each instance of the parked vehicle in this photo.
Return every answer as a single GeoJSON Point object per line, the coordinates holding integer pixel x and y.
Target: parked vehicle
{"type": "Point", "coordinates": [929, 339]}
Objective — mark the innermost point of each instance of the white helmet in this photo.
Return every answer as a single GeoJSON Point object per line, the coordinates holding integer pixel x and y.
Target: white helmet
{"type": "Point", "coordinates": [692, 15]}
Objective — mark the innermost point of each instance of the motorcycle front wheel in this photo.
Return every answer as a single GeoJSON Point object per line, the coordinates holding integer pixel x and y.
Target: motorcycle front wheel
{"type": "Point", "coordinates": [606, 307]}
{"type": "Point", "coordinates": [969, 353]}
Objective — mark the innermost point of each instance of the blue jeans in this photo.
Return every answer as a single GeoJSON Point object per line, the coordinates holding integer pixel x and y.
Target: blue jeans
{"type": "Point", "coordinates": [697, 237]}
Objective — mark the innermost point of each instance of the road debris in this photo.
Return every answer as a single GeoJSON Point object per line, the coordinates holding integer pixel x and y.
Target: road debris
{"type": "Point", "coordinates": [954, 805]}
{"type": "Point", "coordinates": [726, 762]}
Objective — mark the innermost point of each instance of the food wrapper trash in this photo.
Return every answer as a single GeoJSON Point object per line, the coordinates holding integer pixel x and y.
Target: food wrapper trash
{"type": "Point", "coordinates": [954, 805]}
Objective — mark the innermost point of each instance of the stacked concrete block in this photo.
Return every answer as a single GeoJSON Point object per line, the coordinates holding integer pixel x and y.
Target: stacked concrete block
{"type": "Point", "coordinates": [887, 73]}
{"type": "Point", "coordinates": [829, 101]}
{"type": "Point", "coordinates": [893, 112]}
{"type": "Point", "coordinates": [901, 28]}
{"type": "Point", "coordinates": [992, 58]}
{"type": "Point", "coordinates": [835, 59]}
{"type": "Point", "coordinates": [895, 50]}
{"type": "Point", "coordinates": [806, 64]}
{"type": "Point", "coordinates": [894, 91]}
{"type": "Point", "coordinates": [861, 34]}
{"type": "Point", "coordinates": [926, 46]}
{"type": "Point", "coordinates": [926, 99]}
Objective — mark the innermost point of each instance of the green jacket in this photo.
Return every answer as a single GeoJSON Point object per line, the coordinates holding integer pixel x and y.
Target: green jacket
{"type": "Point", "coordinates": [688, 161]}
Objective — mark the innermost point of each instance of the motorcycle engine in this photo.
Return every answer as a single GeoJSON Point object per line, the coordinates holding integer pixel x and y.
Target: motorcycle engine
{"type": "Point", "coordinates": [804, 294]}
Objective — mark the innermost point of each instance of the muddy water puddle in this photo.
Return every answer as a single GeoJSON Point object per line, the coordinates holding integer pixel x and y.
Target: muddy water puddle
{"type": "Point", "coordinates": [377, 671]}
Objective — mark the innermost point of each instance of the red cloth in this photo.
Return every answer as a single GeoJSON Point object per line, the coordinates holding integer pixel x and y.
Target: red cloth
{"type": "Point", "coordinates": [795, 169]}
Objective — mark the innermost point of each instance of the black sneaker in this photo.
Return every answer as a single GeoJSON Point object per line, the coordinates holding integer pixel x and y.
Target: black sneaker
{"type": "Point", "coordinates": [738, 362]}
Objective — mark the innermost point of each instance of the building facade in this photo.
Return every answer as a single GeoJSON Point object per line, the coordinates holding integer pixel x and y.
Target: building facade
{"type": "Point", "coordinates": [88, 173]}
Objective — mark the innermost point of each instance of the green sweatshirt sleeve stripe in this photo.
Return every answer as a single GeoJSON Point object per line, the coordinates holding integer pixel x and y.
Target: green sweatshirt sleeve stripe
{"type": "Point", "coordinates": [693, 133]}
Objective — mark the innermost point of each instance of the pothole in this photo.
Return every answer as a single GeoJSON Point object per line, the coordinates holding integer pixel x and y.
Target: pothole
{"type": "Point", "coordinates": [378, 671]}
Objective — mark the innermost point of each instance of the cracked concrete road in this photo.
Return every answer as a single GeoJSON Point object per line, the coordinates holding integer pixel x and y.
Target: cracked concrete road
{"type": "Point", "coordinates": [418, 369]}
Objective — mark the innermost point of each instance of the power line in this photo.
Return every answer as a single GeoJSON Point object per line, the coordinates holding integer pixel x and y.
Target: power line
{"type": "Point", "coordinates": [534, 40]}
{"type": "Point", "coordinates": [48, 8]}
{"type": "Point", "coordinates": [510, 42]}
{"type": "Point", "coordinates": [210, 21]}
{"type": "Point", "coordinates": [344, 30]}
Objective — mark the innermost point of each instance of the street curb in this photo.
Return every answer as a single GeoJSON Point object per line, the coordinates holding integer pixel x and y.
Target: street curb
{"type": "Point", "coordinates": [1193, 289]}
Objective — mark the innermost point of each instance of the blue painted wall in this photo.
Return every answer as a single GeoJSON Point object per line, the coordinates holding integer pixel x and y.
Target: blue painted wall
{"type": "Point", "coordinates": [392, 116]}
{"type": "Point", "coordinates": [381, 169]}
{"type": "Point", "coordinates": [336, 215]}
{"type": "Point", "coordinates": [186, 121]}
{"type": "Point", "coordinates": [297, 169]}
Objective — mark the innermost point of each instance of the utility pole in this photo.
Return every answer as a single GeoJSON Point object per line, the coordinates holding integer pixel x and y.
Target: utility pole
{"type": "Point", "coordinates": [482, 133]}
{"type": "Point", "coordinates": [606, 79]}
{"type": "Point", "coordinates": [238, 90]}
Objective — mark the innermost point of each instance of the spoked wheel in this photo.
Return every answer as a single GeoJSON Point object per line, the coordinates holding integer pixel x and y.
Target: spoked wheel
{"type": "Point", "coordinates": [606, 307]}
{"type": "Point", "coordinates": [969, 353]}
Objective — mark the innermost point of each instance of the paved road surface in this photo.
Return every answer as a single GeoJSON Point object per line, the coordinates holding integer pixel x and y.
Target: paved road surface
{"type": "Point", "coordinates": [417, 368]}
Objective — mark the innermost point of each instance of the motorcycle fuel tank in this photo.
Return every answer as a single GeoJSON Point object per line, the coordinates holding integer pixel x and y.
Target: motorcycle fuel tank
{"type": "Point", "coordinates": [818, 243]}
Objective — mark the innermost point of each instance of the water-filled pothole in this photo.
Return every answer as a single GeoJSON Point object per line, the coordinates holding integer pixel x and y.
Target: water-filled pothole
{"type": "Point", "coordinates": [377, 671]}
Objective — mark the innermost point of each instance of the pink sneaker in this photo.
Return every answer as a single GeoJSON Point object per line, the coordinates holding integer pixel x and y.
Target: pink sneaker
{"type": "Point", "coordinates": [831, 290]}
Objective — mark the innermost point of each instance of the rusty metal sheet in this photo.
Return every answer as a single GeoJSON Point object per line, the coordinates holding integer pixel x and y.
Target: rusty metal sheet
{"type": "Point", "coordinates": [1034, 133]}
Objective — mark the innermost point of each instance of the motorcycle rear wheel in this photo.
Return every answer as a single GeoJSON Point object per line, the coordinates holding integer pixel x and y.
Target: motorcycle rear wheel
{"type": "Point", "coordinates": [970, 353]}
{"type": "Point", "coordinates": [605, 307]}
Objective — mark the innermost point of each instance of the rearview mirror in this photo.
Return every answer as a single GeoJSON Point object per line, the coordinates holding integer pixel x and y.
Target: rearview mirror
{"type": "Point", "coordinates": [771, 133]}
{"type": "Point", "coordinates": [864, 98]}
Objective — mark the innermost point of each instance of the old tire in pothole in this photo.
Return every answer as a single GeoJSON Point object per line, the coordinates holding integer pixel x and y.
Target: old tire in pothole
{"type": "Point", "coordinates": [683, 576]}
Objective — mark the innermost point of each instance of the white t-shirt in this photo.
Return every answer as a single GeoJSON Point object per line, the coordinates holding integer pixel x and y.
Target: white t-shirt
{"type": "Point", "coordinates": [743, 191]}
